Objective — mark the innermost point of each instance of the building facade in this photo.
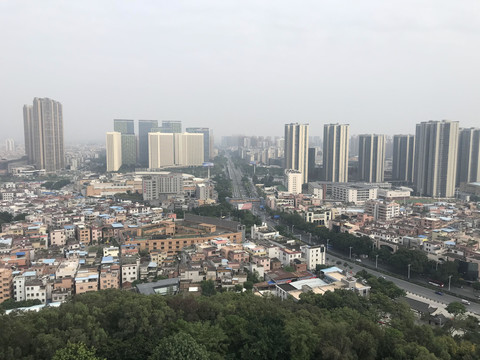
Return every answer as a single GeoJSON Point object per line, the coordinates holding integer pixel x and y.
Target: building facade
{"type": "Point", "coordinates": [43, 130]}
{"type": "Point", "coordinates": [435, 164]}
{"type": "Point", "coordinates": [468, 163]}
{"type": "Point", "coordinates": [293, 181]}
{"type": "Point", "coordinates": [403, 157]}
{"type": "Point", "coordinates": [296, 148]}
{"type": "Point", "coordinates": [144, 127]}
{"type": "Point", "coordinates": [335, 152]}
{"type": "Point", "coordinates": [371, 158]}
{"type": "Point", "coordinates": [114, 151]}
{"type": "Point", "coordinates": [206, 140]}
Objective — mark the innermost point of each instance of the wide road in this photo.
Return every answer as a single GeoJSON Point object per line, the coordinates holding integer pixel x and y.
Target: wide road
{"type": "Point", "coordinates": [236, 175]}
{"type": "Point", "coordinates": [405, 285]}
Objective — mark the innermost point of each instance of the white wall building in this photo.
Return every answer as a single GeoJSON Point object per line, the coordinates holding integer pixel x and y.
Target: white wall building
{"type": "Point", "coordinates": [315, 255]}
{"type": "Point", "coordinates": [114, 151]}
{"type": "Point", "coordinates": [293, 181]}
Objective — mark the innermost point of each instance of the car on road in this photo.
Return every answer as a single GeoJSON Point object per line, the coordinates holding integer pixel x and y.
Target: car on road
{"type": "Point", "coordinates": [438, 292]}
{"type": "Point", "coordinates": [465, 302]}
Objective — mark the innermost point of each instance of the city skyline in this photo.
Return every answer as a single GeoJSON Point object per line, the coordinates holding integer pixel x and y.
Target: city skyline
{"type": "Point", "coordinates": [246, 67]}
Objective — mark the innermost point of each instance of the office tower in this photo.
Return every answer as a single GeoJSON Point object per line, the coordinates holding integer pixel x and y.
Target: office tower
{"type": "Point", "coordinates": [296, 149]}
{"type": "Point", "coordinates": [9, 145]}
{"type": "Point", "coordinates": [335, 152]}
{"type": "Point", "coordinates": [129, 141]}
{"type": "Point", "coordinates": [468, 162]}
{"type": "Point", "coordinates": [403, 155]}
{"type": "Point", "coordinates": [124, 126]}
{"type": "Point", "coordinates": [435, 163]}
{"type": "Point", "coordinates": [43, 129]}
{"type": "Point", "coordinates": [206, 140]}
{"type": "Point", "coordinates": [171, 126]}
{"type": "Point", "coordinates": [114, 151]}
{"type": "Point", "coordinates": [144, 127]}
{"type": "Point", "coordinates": [371, 157]}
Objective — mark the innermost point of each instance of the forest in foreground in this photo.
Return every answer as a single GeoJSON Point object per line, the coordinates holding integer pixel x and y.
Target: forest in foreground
{"type": "Point", "coordinates": [115, 324]}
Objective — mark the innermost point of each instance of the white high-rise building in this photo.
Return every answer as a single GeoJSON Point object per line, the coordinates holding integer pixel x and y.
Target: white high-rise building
{"type": "Point", "coordinates": [296, 149]}
{"type": "Point", "coordinates": [435, 164]}
{"type": "Point", "coordinates": [43, 129]}
{"type": "Point", "coordinates": [371, 158]}
{"type": "Point", "coordinates": [335, 152]}
{"type": "Point", "coordinates": [114, 151]}
{"type": "Point", "coordinates": [175, 149]}
{"type": "Point", "coordinates": [468, 166]}
{"type": "Point", "coordinates": [189, 149]}
{"type": "Point", "coordinates": [160, 150]}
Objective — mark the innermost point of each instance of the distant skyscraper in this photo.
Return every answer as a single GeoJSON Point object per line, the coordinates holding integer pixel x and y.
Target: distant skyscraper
{"type": "Point", "coordinates": [28, 132]}
{"type": "Point", "coordinates": [129, 141]}
{"type": "Point", "coordinates": [296, 149]}
{"type": "Point", "coordinates": [468, 163]}
{"type": "Point", "coordinates": [170, 126]}
{"type": "Point", "coordinates": [144, 127]}
{"type": "Point", "coordinates": [9, 145]}
{"type": "Point", "coordinates": [206, 139]}
{"type": "Point", "coordinates": [371, 157]}
{"type": "Point", "coordinates": [435, 164]}
{"type": "Point", "coordinates": [43, 129]}
{"type": "Point", "coordinates": [114, 151]}
{"type": "Point", "coordinates": [335, 152]}
{"type": "Point", "coordinates": [403, 155]}
{"type": "Point", "coordinates": [124, 126]}
{"type": "Point", "coordinates": [312, 173]}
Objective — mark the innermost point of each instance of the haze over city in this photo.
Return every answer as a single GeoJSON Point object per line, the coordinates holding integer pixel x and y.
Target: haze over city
{"type": "Point", "coordinates": [242, 67]}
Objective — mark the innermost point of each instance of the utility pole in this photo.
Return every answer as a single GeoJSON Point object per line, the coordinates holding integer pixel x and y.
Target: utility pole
{"type": "Point", "coordinates": [409, 270]}
{"type": "Point", "coordinates": [350, 253]}
{"type": "Point", "coordinates": [449, 281]}
{"type": "Point", "coordinates": [376, 261]}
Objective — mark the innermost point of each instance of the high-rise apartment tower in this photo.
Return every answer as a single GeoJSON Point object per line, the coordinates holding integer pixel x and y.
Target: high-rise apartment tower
{"type": "Point", "coordinates": [43, 129]}
{"type": "Point", "coordinates": [335, 152]}
{"type": "Point", "coordinates": [468, 162]}
{"type": "Point", "coordinates": [296, 149]}
{"type": "Point", "coordinates": [435, 164]}
{"type": "Point", "coordinates": [403, 155]}
{"type": "Point", "coordinates": [371, 158]}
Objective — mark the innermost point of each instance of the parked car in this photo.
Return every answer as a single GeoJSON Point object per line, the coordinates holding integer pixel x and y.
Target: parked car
{"type": "Point", "coordinates": [438, 292]}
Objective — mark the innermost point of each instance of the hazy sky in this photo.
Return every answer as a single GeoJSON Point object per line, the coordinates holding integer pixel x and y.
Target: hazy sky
{"type": "Point", "coordinates": [242, 66]}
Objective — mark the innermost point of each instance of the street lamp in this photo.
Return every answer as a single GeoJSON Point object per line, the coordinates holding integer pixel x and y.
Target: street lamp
{"type": "Point", "coordinates": [376, 261]}
{"type": "Point", "coordinates": [292, 228]}
{"type": "Point", "coordinates": [409, 270]}
{"type": "Point", "coordinates": [350, 253]}
{"type": "Point", "coordinates": [449, 280]}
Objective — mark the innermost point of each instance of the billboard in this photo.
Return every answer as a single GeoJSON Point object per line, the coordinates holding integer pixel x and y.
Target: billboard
{"type": "Point", "coordinates": [209, 164]}
{"type": "Point", "coordinates": [244, 206]}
